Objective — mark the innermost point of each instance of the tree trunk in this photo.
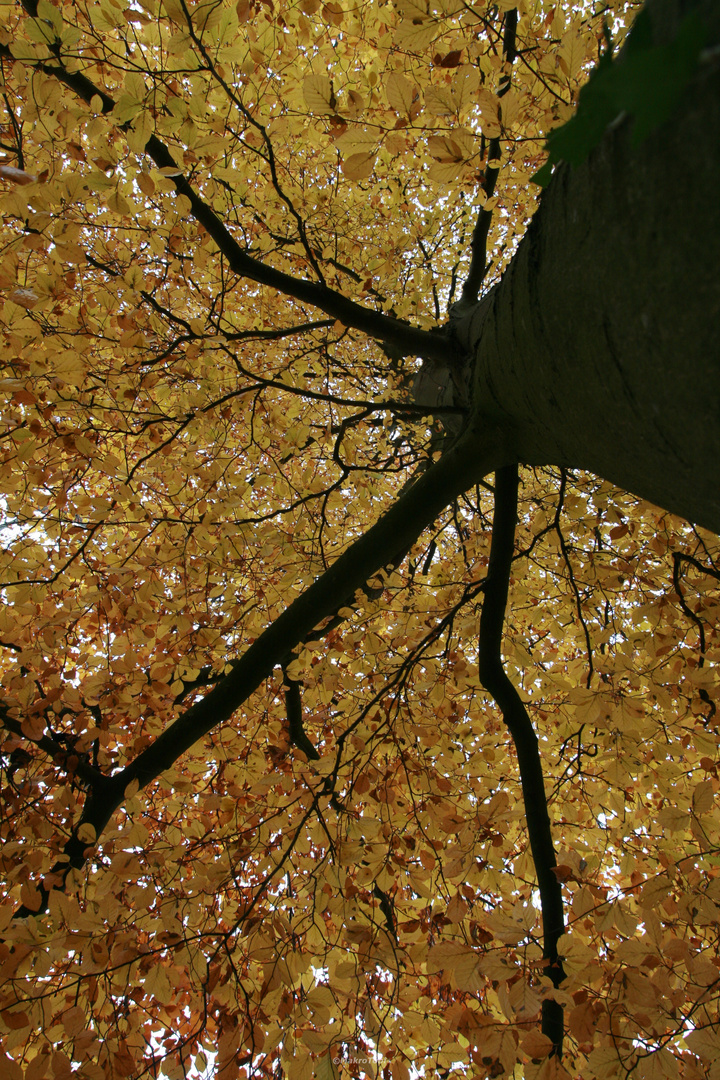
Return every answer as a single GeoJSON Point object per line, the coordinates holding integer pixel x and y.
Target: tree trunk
{"type": "Point", "coordinates": [599, 348]}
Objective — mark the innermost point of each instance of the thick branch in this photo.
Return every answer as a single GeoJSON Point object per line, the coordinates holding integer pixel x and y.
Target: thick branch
{"type": "Point", "coordinates": [386, 906]}
{"type": "Point", "coordinates": [395, 531]}
{"type": "Point", "coordinates": [478, 244]}
{"type": "Point", "coordinates": [398, 528]}
{"type": "Point", "coordinates": [74, 763]}
{"type": "Point", "coordinates": [678, 557]}
{"type": "Point", "coordinates": [595, 348]}
{"type": "Point", "coordinates": [409, 339]}
{"type": "Point", "coordinates": [102, 802]}
{"type": "Point", "coordinates": [495, 680]}
{"type": "Point", "coordinates": [293, 708]}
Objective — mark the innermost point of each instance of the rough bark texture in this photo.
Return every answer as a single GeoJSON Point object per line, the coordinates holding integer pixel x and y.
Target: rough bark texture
{"type": "Point", "coordinates": [599, 349]}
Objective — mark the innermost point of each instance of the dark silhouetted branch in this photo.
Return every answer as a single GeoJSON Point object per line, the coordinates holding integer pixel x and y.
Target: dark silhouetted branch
{"type": "Point", "coordinates": [496, 682]}
{"type": "Point", "coordinates": [293, 708]}
{"type": "Point", "coordinates": [409, 339]}
{"type": "Point", "coordinates": [478, 244]}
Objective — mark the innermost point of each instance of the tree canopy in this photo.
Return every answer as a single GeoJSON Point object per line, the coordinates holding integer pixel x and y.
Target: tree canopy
{"type": "Point", "coordinates": [329, 750]}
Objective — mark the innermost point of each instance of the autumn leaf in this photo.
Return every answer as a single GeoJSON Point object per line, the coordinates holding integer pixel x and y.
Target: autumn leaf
{"type": "Point", "coordinates": [332, 741]}
{"type": "Point", "coordinates": [318, 94]}
{"type": "Point", "coordinates": [535, 1044]}
{"type": "Point", "coordinates": [16, 176]}
{"type": "Point", "coordinates": [402, 96]}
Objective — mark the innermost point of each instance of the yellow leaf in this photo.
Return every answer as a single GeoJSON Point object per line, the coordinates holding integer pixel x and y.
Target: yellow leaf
{"type": "Point", "coordinates": [703, 797]}
{"type": "Point", "coordinates": [401, 93]}
{"type": "Point", "coordinates": [673, 818]}
{"type": "Point", "coordinates": [326, 1067]}
{"type": "Point", "coordinates": [447, 173]}
{"type": "Point", "coordinates": [535, 1044]}
{"type": "Point", "coordinates": [17, 176]}
{"type": "Point", "coordinates": [319, 96]}
{"type": "Point", "coordinates": [509, 109]}
{"type": "Point", "coordinates": [457, 146]}
{"type": "Point", "coordinates": [142, 128]}
{"type": "Point", "coordinates": [74, 1021]}
{"type": "Point", "coordinates": [439, 101]}
{"type": "Point", "coordinates": [415, 36]}
{"type": "Point", "coordinates": [359, 166]}
{"type": "Point", "coordinates": [25, 298]}
{"type": "Point", "coordinates": [524, 999]}
{"type": "Point", "coordinates": [464, 87]}
{"type": "Point", "coordinates": [146, 184]}
{"type": "Point", "coordinates": [572, 51]}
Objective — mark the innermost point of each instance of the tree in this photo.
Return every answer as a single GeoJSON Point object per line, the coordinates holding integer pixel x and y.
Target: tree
{"type": "Point", "coordinates": [355, 721]}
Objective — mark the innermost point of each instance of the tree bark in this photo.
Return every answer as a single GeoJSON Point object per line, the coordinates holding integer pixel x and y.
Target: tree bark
{"type": "Point", "coordinates": [599, 348]}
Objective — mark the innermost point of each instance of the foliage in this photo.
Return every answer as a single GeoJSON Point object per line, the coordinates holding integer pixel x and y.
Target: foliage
{"type": "Point", "coordinates": [646, 85]}
{"type": "Point", "coordinates": [331, 874]}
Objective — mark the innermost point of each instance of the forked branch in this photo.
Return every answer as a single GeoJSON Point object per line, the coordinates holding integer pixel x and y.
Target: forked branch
{"type": "Point", "coordinates": [394, 532]}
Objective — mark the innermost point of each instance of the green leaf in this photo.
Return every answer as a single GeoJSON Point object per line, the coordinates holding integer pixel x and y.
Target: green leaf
{"type": "Point", "coordinates": [645, 82]}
